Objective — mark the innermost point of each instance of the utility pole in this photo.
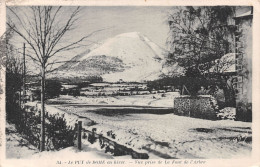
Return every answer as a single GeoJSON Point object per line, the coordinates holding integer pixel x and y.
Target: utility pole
{"type": "Point", "coordinates": [24, 68]}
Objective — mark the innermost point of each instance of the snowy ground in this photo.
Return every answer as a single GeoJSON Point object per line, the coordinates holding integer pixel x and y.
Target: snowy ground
{"type": "Point", "coordinates": [16, 146]}
{"type": "Point", "coordinates": [164, 135]}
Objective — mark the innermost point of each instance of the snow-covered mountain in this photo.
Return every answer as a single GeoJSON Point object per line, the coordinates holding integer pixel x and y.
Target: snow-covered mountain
{"type": "Point", "coordinates": [129, 56]}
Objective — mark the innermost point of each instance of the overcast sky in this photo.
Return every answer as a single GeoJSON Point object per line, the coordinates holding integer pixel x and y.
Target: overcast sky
{"type": "Point", "coordinates": [149, 21]}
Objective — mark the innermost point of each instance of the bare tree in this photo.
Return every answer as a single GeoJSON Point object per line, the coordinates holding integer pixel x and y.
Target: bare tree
{"type": "Point", "coordinates": [44, 29]}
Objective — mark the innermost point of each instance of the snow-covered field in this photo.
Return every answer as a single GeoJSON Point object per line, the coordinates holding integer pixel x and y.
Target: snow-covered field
{"type": "Point", "coordinates": [150, 100]}
{"type": "Point", "coordinates": [162, 135]}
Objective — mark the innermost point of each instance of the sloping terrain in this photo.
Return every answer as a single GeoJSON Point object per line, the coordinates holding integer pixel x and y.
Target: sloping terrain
{"type": "Point", "coordinates": [128, 56]}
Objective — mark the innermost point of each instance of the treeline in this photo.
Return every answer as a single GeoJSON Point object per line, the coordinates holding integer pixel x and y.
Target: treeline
{"type": "Point", "coordinates": [53, 86]}
{"type": "Point", "coordinates": [74, 80]}
{"type": "Point", "coordinates": [79, 80]}
{"type": "Point", "coordinates": [192, 84]}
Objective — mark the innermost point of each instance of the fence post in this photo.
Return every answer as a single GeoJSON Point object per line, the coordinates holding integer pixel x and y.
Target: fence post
{"type": "Point", "coordinates": [76, 133]}
{"type": "Point", "coordinates": [79, 134]}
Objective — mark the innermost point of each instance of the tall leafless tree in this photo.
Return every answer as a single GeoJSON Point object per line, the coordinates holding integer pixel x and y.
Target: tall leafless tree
{"type": "Point", "coordinates": [44, 29]}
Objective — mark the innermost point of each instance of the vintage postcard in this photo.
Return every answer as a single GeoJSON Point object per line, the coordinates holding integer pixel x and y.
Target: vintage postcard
{"type": "Point", "coordinates": [129, 83]}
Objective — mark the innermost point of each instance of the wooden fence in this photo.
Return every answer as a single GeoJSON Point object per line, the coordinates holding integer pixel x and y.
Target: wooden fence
{"type": "Point", "coordinates": [108, 143]}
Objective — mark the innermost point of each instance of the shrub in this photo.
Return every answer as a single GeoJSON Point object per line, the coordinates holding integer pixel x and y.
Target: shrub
{"type": "Point", "coordinates": [193, 84]}
{"type": "Point", "coordinates": [58, 134]}
{"type": "Point", "coordinates": [52, 88]}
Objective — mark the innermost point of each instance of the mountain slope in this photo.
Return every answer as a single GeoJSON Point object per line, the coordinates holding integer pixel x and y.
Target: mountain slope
{"type": "Point", "coordinates": [128, 56]}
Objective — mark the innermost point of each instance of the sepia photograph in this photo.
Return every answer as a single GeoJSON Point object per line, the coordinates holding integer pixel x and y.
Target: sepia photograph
{"type": "Point", "coordinates": [128, 82]}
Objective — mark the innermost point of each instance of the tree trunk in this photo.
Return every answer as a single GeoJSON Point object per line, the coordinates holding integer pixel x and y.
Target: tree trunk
{"type": "Point", "coordinates": [42, 143]}
{"type": "Point", "coordinates": [24, 75]}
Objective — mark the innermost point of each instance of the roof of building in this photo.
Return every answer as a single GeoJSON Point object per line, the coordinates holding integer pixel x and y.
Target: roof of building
{"type": "Point", "coordinates": [248, 13]}
{"type": "Point", "coordinates": [226, 64]}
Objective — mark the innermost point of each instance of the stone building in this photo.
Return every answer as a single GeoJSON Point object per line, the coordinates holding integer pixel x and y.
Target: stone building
{"type": "Point", "coordinates": [243, 81]}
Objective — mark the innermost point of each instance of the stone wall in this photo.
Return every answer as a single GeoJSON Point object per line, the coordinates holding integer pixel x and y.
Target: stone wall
{"type": "Point", "coordinates": [195, 106]}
